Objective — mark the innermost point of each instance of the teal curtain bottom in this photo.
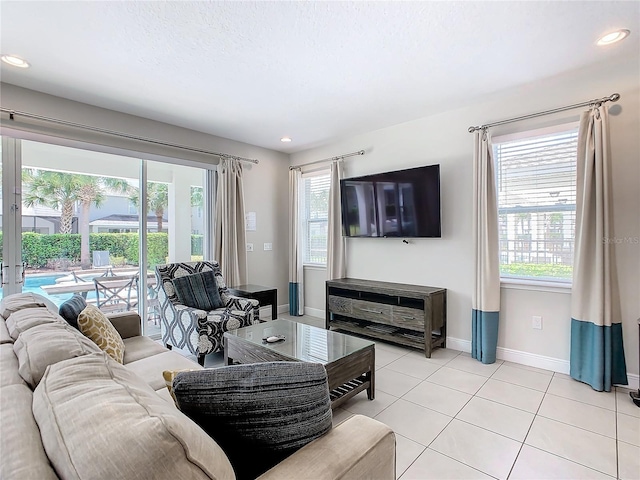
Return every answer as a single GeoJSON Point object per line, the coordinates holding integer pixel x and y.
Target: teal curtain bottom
{"type": "Point", "coordinates": [484, 332]}
{"type": "Point", "coordinates": [597, 355]}
{"type": "Point", "coordinates": [294, 299]}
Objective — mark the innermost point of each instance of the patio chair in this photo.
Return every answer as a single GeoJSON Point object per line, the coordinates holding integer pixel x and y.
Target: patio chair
{"type": "Point", "coordinates": [101, 259]}
{"type": "Point", "coordinates": [116, 294]}
{"type": "Point", "coordinates": [198, 331]}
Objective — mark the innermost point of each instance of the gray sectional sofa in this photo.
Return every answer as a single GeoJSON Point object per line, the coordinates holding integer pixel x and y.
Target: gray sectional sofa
{"type": "Point", "coordinates": [67, 410]}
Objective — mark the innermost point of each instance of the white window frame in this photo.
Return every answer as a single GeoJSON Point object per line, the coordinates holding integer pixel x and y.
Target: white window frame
{"type": "Point", "coordinates": [304, 217]}
{"type": "Point", "coordinates": [557, 285]}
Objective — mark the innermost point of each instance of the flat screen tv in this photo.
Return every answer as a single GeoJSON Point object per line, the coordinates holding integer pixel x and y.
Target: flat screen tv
{"type": "Point", "coordinates": [404, 203]}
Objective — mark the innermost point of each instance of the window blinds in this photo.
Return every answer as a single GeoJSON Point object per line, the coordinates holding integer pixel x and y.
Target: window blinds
{"type": "Point", "coordinates": [536, 183]}
{"type": "Point", "coordinates": [315, 222]}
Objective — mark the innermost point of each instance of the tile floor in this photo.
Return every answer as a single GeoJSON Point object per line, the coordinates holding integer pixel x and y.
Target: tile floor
{"type": "Point", "coordinates": [456, 418]}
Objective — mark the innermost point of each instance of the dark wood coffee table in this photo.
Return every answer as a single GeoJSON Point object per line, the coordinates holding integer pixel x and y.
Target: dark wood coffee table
{"type": "Point", "coordinates": [349, 361]}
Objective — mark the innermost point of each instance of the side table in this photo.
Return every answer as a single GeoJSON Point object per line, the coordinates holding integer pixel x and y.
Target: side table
{"type": "Point", "coordinates": [264, 295]}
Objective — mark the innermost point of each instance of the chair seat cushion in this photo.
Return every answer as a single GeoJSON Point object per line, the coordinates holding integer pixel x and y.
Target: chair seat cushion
{"type": "Point", "coordinates": [198, 290]}
{"type": "Point", "coordinates": [258, 413]}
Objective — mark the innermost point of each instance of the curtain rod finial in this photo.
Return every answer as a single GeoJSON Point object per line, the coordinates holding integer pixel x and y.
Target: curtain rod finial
{"type": "Point", "coordinates": [472, 129]}
{"type": "Point", "coordinates": [615, 97]}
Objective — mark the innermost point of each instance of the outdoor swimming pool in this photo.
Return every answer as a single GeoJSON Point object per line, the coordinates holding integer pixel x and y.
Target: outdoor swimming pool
{"type": "Point", "coordinates": [32, 283]}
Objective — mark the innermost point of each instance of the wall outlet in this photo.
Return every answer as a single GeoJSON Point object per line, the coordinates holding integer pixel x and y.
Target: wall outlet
{"type": "Point", "coordinates": [249, 247]}
{"type": "Point", "coordinates": [268, 246]}
{"type": "Point", "coordinates": [536, 322]}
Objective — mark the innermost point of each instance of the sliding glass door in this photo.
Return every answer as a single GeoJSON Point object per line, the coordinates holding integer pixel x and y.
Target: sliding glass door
{"type": "Point", "coordinates": [73, 220]}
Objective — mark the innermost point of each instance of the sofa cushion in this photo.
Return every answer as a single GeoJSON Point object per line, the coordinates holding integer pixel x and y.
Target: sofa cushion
{"type": "Point", "coordinates": [9, 367]}
{"type": "Point", "coordinates": [268, 409]}
{"type": "Point", "coordinates": [99, 420]}
{"type": "Point", "coordinates": [70, 309]}
{"type": "Point", "coordinates": [150, 369]}
{"type": "Point", "coordinates": [23, 320]}
{"type": "Point", "coordinates": [95, 325]}
{"type": "Point", "coordinates": [199, 290]}
{"type": "Point", "coordinates": [137, 348]}
{"type": "Point", "coordinates": [44, 345]}
{"type": "Point", "coordinates": [19, 301]}
{"type": "Point", "coordinates": [4, 333]}
{"type": "Point", "coordinates": [23, 455]}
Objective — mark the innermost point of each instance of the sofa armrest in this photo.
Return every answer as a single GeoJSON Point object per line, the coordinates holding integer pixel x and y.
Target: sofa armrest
{"type": "Point", "coordinates": [128, 324]}
{"type": "Point", "coordinates": [358, 448]}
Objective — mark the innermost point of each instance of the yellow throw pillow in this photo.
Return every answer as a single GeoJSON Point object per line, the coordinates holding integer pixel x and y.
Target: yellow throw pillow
{"type": "Point", "coordinates": [95, 325]}
{"type": "Point", "coordinates": [169, 375]}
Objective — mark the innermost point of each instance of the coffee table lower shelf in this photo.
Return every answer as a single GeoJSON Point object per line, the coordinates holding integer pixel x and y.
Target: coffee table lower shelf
{"type": "Point", "coordinates": [347, 374]}
{"type": "Point", "coordinates": [346, 391]}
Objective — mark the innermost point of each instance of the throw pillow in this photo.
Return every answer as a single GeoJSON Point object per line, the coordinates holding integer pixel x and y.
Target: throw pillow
{"type": "Point", "coordinates": [199, 290]}
{"type": "Point", "coordinates": [95, 325]}
{"type": "Point", "coordinates": [258, 413]}
{"type": "Point", "coordinates": [169, 375]}
{"type": "Point", "coordinates": [70, 309]}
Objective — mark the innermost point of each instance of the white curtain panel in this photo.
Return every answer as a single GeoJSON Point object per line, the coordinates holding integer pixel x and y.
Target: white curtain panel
{"type": "Point", "coordinates": [597, 353]}
{"type": "Point", "coordinates": [296, 274]}
{"type": "Point", "coordinates": [230, 238]}
{"type": "Point", "coordinates": [336, 248]}
{"type": "Point", "coordinates": [485, 300]}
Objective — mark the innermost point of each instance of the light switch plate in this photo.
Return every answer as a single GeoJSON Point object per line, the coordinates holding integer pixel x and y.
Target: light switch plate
{"type": "Point", "coordinates": [268, 246]}
{"type": "Point", "coordinates": [249, 247]}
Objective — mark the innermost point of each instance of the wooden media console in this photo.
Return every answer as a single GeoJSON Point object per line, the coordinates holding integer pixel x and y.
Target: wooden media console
{"type": "Point", "coordinates": [411, 315]}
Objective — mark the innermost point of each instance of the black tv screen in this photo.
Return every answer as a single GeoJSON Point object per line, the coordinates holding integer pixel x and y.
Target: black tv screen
{"type": "Point", "coordinates": [404, 203]}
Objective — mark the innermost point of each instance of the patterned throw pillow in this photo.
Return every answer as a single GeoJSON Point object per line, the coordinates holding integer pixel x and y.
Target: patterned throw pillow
{"type": "Point", "coordinates": [199, 290]}
{"type": "Point", "coordinates": [70, 309]}
{"type": "Point", "coordinates": [258, 413]}
{"type": "Point", "coordinates": [95, 325]}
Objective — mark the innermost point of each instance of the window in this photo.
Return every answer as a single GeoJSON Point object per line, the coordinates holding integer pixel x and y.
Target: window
{"type": "Point", "coordinates": [536, 183]}
{"type": "Point", "coordinates": [315, 212]}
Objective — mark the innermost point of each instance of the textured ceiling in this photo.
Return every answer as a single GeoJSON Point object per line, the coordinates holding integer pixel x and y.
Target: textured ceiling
{"type": "Point", "coordinates": [315, 71]}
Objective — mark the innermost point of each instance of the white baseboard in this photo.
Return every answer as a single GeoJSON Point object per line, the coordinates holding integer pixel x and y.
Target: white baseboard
{"type": "Point", "coordinates": [530, 359]}
{"type": "Point", "coordinates": [314, 312]}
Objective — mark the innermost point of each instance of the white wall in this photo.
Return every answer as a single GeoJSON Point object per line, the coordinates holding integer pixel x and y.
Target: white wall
{"type": "Point", "coordinates": [447, 262]}
{"type": "Point", "coordinates": [265, 184]}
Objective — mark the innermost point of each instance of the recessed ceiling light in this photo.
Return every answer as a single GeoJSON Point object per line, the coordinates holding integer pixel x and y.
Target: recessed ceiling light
{"type": "Point", "coordinates": [613, 37]}
{"type": "Point", "coordinates": [14, 61]}
{"type": "Point", "coordinates": [285, 139]}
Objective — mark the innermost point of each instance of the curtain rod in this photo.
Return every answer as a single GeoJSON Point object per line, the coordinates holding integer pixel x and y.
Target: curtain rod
{"type": "Point", "coordinates": [338, 157]}
{"type": "Point", "coordinates": [13, 113]}
{"type": "Point", "coordinates": [613, 98]}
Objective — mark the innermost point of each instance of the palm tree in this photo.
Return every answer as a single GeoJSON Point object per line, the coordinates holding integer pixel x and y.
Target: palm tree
{"type": "Point", "coordinates": [62, 190]}
{"type": "Point", "coordinates": [92, 191]}
{"type": "Point", "coordinates": [157, 200]}
{"type": "Point", "coordinates": [54, 190]}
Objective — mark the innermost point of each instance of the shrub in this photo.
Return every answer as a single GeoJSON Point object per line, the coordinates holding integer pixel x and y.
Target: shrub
{"type": "Point", "coordinates": [42, 250]}
{"type": "Point", "coordinates": [550, 270]}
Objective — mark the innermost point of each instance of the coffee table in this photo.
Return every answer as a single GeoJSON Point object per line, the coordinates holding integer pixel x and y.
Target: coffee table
{"type": "Point", "coordinates": [349, 361]}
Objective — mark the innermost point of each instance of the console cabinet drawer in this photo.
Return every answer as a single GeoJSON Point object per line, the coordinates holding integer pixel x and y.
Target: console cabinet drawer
{"type": "Point", "coordinates": [340, 305]}
{"type": "Point", "coordinates": [376, 312]}
{"type": "Point", "coordinates": [409, 318]}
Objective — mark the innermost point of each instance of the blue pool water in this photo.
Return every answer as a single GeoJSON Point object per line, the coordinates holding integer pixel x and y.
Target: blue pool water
{"type": "Point", "coordinates": [32, 283]}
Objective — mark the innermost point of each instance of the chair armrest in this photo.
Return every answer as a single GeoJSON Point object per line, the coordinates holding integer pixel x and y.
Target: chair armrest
{"type": "Point", "coordinates": [241, 303]}
{"type": "Point", "coordinates": [360, 447]}
{"type": "Point", "coordinates": [128, 324]}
